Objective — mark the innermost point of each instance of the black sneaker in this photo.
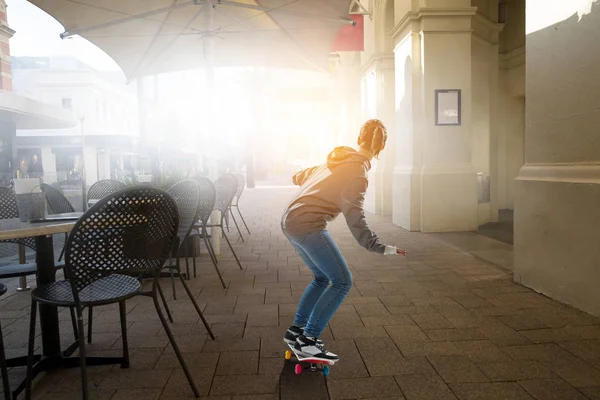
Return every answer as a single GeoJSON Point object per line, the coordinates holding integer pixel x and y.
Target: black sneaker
{"type": "Point", "coordinates": [314, 348]}
{"type": "Point", "coordinates": [292, 334]}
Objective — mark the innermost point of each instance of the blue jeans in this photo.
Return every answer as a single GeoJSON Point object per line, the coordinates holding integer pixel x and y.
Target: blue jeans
{"type": "Point", "coordinates": [333, 280]}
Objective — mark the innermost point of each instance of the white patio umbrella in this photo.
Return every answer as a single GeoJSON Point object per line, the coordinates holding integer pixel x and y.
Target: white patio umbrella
{"type": "Point", "coordinates": [147, 37]}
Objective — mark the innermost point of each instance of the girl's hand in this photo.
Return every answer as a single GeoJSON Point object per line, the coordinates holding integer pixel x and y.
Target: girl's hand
{"type": "Point", "coordinates": [400, 251]}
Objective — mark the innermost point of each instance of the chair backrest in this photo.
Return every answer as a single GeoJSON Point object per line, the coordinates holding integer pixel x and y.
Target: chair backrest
{"type": "Point", "coordinates": [103, 188]}
{"type": "Point", "coordinates": [187, 196]}
{"type": "Point", "coordinates": [8, 203]}
{"type": "Point", "coordinates": [57, 202]}
{"type": "Point", "coordinates": [225, 187]}
{"type": "Point", "coordinates": [241, 184]}
{"type": "Point", "coordinates": [208, 197]}
{"type": "Point", "coordinates": [58, 187]}
{"type": "Point", "coordinates": [9, 210]}
{"type": "Point", "coordinates": [129, 231]}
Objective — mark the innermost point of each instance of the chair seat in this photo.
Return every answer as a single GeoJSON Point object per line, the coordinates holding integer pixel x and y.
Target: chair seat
{"type": "Point", "coordinates": [17, 270]}
{"type": "Point", "coordinates": [110, 289]}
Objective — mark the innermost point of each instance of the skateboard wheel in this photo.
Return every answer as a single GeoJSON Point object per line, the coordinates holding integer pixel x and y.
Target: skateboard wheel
{"type": "Point", "coordinates": [326, 370]}
{"type": "Point", "coordinates": [298, 369]}
{"type": "Point", "coordinates": [288, 355]}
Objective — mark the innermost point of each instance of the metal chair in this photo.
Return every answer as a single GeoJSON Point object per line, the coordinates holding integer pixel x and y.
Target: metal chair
{"type": "Point", "coordinates": [225, 188]}
{"type": "Point", "coordinates": [9, 210]}
{"type": "Point", "coordinates": [57, 204]}
{"type": "Point", "coordinates": [103, 255]}
{"type": "Point", "coordinates": [241, 184]}
{"type": "Point", "coordinates": [3, 367]}
{"type": "Point", "coordinates": [206, 205]}
{"type": "Point", "coordinates": [104, 188]}
{"type": "Point", "coordinates": [186, 194]}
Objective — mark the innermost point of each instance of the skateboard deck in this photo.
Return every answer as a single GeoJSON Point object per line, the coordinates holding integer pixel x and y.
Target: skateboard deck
{"type": "Point", "coordinates": [315, 364]}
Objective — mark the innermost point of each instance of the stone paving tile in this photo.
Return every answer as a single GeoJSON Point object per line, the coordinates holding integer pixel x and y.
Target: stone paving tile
{"type": "Point", "coordinates": [362, 388]}
{"type": "Point", "coordinates": [515, 371]}
{"type": "Point", "coordinates": [423, 349]}
{"type": "Point", "coordinates": [244, 384]}
{"type": "Point", "coordinates": [383, 358]}
{"type": "Point", "coordinates": [481, 351]}
{"type": "Point", "coordinates": [457, 369]}
{"type": "Point", "coordinates": [490, 391]}
{"type": "Point", "coordinates": [551, 389]}
{"type": "Point", "coordinates": [424, 387]}
{"type": "Point", "coordinates": [439, 325]}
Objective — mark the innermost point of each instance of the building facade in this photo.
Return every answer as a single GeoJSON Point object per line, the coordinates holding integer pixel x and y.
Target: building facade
{"type": "Point", "coordinates": [489, 108]}
{"type": "Point", "coordinates": [103, 106]}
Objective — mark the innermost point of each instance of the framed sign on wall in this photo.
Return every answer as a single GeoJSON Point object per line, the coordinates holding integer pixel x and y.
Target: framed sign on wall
{"type": "Point", "coordinates": [447, 107]}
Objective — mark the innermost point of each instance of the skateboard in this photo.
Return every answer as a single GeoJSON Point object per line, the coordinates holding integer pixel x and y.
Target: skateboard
{"type": "Point", "coordinates": [314, 363]}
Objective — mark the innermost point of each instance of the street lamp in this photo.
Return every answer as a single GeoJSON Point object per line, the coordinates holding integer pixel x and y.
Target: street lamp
{"type": "Point", "coordinates": [81, 117]}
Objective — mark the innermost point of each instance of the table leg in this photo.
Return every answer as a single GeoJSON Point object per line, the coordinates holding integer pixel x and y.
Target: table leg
{"type": "Point", "coordinates": [48, 314]}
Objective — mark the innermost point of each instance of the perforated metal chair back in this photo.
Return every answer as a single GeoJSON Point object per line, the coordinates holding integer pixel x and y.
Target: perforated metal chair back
{"type": "Point", "coordinates": [57, 202]}
{"type": "Point", "coordinates": [103, 188]}
{"type": "Point", "coordinates": [186, 194]}
{"type": "Point", "coordinates": [241, 184]}
{"type": "Point", "coordinates": [57, 186]}
{"type": "Point", "coordinates": [129, 231]}
{"type": "Point", "coordinates": [208, 197]}
{"type": "Point", "coordinates": [9, 210]}
{"type": "Point", "coordinates": [225, 187]}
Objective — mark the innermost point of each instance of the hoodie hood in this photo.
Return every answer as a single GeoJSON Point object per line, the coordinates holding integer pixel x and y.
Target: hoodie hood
{"type": "Point", "coordinates": [344, 155]}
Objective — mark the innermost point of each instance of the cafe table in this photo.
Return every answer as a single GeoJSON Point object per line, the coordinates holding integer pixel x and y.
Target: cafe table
{"type": "Point", "coordinates": [52, 357]}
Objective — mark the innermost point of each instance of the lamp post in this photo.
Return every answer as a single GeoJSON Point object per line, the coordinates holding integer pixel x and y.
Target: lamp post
{"type": "Point", "coordinates": [81, 117]}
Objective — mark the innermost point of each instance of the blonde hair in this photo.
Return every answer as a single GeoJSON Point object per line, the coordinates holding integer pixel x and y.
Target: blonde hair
{"type": "Point", "coordinates": [373, 136]}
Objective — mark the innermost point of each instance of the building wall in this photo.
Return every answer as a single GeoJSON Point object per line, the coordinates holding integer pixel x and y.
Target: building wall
{"type": "Point", "coordinates": [511, 105]}
{"type": "Point", "coordinates": [5, 34]}
{"type": "Point", "coordinates": [557, 213]}
{"type": "Point", "coordinates": [105, 110]}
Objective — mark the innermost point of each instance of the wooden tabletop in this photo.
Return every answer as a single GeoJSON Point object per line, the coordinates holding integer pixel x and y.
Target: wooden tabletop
{"type": "Point", "coordinates": [15, 229]}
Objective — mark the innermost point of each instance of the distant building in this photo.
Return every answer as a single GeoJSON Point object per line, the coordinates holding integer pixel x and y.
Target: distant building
{"type": "Point", "coordinates": [103, 106]}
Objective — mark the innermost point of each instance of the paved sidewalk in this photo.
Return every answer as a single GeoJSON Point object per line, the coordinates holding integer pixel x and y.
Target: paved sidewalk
{"type": "Point", "coordinates": [440, 325]}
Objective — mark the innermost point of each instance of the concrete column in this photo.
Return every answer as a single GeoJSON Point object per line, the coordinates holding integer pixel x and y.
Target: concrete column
{"type": "Point", "coordinates": [5, 62]}
{"type": "Point", "coordinates": [435, 183]}
{"type": "Point", "coordinates": [383, 68]}
{"type": "Point", "coordinates": [485, 110]}
{"type": "Point", "coordinates": [557, 212]}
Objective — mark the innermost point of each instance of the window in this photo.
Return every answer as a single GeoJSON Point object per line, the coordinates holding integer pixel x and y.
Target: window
{"type": "Point", "coordinates": [67, 103]}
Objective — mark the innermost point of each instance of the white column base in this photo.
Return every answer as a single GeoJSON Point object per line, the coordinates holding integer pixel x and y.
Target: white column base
{"type": "Point", "coordinates": [449, 199]}
{"type": "Point", "coordinates": [557, 216]}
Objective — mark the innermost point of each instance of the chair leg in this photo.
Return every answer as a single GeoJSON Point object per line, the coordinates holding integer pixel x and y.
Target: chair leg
{"type": "Point", "coordinates": [233, 251]}
{"type": "Point", "coordinates": [173, 285]}
{"type": "Point", "coordinates": [191, 295]}
{"type": "Point", "coordinates": [74, 323]}
{"type": "Point", "coordinates": [243, 220]}
{"type": "Point", "coordinates": [4, 369]}
{"type": "Point", "coordinates": [82, 356]}
{"type": "Point", "coordinates": [236, 225]}
{"type": "Point", "coordinates": [123, 312]}
{"type": "Point", "coordinates": [30, 345]}
{"type": "Point", "coordinates": [187, 266]}
{"type": "Point", "coordinates": [214, 259]}
{"type": "Point", "coordinates": [164, 301]}
{"type": "Point", "coordinates": [167, 329]}
{"type": "Point", "coordinates": [90, 318]}
{"type": "Point", "coordinates": [195, 239]}
{"type": "Point", "coordinates": [62, 252]}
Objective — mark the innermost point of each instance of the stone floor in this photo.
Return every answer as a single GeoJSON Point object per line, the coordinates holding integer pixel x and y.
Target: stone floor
{"type": "Point", "coordinates": [438, 325]}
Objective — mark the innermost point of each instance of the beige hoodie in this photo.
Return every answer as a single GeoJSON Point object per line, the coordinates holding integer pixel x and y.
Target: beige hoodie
{"type": "Point", "coordinates": [327, 190]}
